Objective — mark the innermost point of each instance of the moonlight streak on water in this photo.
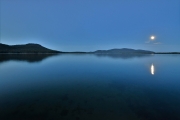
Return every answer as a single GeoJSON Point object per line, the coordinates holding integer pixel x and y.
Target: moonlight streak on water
{"type": "Point", "coordinates": [152, 69]}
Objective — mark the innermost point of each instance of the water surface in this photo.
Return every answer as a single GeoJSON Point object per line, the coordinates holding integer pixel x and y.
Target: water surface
{"type": "Point", "coordinates": [90, 87]}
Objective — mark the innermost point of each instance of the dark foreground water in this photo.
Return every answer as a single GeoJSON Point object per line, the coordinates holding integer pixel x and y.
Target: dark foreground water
{"type": "Point", "coordinates": [89, 87]}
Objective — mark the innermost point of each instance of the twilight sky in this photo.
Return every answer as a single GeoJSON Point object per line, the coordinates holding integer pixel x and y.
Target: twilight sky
{"type": "Point", "coordinates": [88, 25]}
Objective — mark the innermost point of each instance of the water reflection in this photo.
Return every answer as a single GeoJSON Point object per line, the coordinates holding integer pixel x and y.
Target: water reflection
{"type": "Point", "coordinates": [85, 87]}
{"type": "Point", "coordinates": [25, 57]}
{"type": "Point", "coordinates": [123, 56]}
{"type": "Point", "coordinates": [152, 69]}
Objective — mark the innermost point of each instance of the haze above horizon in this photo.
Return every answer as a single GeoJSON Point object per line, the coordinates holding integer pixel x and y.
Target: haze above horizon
{"type": "Point", "coordinates": [92, 25]}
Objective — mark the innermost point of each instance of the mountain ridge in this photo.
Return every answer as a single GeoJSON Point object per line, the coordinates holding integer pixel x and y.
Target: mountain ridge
{"type": "Point", "coordinates": [38, 49]}
{"type": "Point", "coordinates": [25, 48]}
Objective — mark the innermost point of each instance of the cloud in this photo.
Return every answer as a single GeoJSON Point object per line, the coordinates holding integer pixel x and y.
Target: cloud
{"type": "Point", "coordinates": [157, 43]}
{"type": "Point", "coordinates": [147, 42]}
{"type": "Point", "coordinates": [153, 42]}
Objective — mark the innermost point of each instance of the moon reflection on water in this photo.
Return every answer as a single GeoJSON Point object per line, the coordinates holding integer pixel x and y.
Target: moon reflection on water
{"type": "Point", "coordinates": [152, 69]}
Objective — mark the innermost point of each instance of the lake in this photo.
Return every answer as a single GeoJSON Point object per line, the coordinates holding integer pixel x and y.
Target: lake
{"type": "Point", "coordinates": [89, 87]}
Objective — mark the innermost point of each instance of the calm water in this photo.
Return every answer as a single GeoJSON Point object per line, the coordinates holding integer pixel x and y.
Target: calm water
{"type": "Point", "coordinates": [89, 87]}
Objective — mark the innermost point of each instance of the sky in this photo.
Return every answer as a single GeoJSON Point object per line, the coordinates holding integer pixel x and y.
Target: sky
{"type": "Point", "coordinates": [88, 25]}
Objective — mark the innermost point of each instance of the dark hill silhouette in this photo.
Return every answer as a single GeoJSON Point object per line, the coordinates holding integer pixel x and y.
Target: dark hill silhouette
{"type": "Point", "coordinates": [27, 48]}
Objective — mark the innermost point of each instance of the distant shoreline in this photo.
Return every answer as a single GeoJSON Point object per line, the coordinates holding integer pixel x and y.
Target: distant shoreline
{"type": "Point", "coordinates": [168, 53]}
{"type": "Point", "coordinates": [85, 53]}
{"type": "Point", "coordinates": [32, 48]}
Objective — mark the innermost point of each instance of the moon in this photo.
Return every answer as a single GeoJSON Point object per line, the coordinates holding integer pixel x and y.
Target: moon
{"type": "Point", "coordinates": [152, 37]}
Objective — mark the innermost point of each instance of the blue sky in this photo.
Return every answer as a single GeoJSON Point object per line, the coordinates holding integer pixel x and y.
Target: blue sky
{"type": "Point", "coordinates": [88, 25]}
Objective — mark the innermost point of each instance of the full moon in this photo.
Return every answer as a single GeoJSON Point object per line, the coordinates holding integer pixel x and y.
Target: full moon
{"type": "Point", "coordinates": [152, 37]}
